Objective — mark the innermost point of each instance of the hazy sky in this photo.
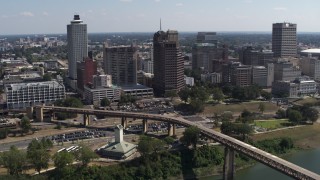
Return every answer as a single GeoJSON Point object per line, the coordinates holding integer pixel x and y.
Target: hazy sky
{"type": "Point", "coordinates": [52, 16]}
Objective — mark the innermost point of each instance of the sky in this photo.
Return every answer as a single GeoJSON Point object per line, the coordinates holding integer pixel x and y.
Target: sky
{"type": "Point", "coordinates": [52, 16]}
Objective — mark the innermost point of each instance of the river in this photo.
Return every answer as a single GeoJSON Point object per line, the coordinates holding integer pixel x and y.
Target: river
{"type": "Point", "coordinates": [308, 159]}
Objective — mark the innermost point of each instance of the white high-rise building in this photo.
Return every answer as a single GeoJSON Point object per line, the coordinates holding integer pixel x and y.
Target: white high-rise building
{"type": "Point", "coordinates": [77, 44]}
{"type": "Point", "coordinates": [24, 95]}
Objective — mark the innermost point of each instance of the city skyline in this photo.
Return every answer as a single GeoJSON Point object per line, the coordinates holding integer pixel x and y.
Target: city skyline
{"type": "Point", "coordinates": [44, 17]}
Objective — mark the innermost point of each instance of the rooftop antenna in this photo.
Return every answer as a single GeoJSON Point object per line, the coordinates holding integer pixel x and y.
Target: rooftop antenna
{"type": "Point", "coordinates": [160, 25]}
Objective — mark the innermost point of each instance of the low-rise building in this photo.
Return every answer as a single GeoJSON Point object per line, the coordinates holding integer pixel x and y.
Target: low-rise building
{"type": "Point", "coordinates": [213, 78]}
{"type": "Point", "coordinates": [300, 87]}
{"type": "Point", "coordinates": [189, 80]}
{"type": "Point", "coordinates": [23, 95]}
{"type": "Point", "coordinates": [138, 91]}
{"type": "Point", "coordinates": [95, 95]}
{"type": "Point", "coordinates": [119, 149]}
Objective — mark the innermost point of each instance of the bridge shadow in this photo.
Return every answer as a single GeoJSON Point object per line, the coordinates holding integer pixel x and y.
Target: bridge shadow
{"type": "Point", "coordinates": [187, 164]}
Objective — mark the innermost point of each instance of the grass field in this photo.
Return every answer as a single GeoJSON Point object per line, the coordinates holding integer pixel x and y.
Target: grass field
{"type": "Point", "coordinates": [307, 100]}
{"type": "Point", "coordinates": [304, 137]}
{"type": "Point", "coordinates": [238, 108]}
{"type": "Point", "coordinates": [272, 124]}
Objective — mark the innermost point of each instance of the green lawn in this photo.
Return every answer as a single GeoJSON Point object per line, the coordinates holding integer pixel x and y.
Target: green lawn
{"type": "Point", "coordinates": [272, 124]}
{"type": "Point", "coordinates": [239, 107]}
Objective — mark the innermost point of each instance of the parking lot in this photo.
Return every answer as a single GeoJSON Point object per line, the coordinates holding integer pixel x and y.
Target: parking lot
{"type": "Point", "coordinates": [79, 135]}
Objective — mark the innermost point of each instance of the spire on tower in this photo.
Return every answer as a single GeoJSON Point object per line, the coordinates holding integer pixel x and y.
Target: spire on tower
{"type": "Point", "coordinates": [160, 25]}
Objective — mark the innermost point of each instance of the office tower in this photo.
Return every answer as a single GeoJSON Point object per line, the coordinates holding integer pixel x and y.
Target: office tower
{"type": "Point", "coordinates": [121, 63]}
{"type": "Point", "coordinates": [284, 40]}
{"type": "Point", "coordinates": [168, 63]}
{"type": "Point", "coordinates": [206, 51]}
{"type": "Point", "coordinates": [207, 37]}
{"type": "Point", "coordinates": [77, 44]}
{"type": "Point", "coordinates": [22, 95]}
{"type": "Point", "coordinates": [85, 71]}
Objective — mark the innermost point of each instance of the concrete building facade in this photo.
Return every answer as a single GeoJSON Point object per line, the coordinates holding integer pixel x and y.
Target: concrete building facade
{"type": "Point", "coordinates": [121, 63]}
{"type": "Point", "coordinates": [23, 95]}
{"type": "Point", "coordinates": [311, 67]}
{"type": "Point", "coordinates": [85, 71]}
{"type": "Point", "coordinates": [168, 63]}
{"type": "Point", "coordinates": [95, 95]}
{"type": "Point", "coordinates": [241, 76]}
{"type": "Point", "coordinates": [77, 44]}
{"type": "Point", "coordinates": [284, 40]}
{"type": "Point", "coordinates": [250, 56]}
{"type": "Point", "coordinates": [285, 71]}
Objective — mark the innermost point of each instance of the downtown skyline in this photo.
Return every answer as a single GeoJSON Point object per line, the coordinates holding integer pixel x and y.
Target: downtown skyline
{"type": "Point", "coordinates": [44, 17]}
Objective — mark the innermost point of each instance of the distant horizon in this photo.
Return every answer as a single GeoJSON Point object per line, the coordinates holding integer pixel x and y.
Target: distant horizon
{"type": "Point", "coordinates": [140, 32]}
{"type": "Point", "coordinates": [52, 17]}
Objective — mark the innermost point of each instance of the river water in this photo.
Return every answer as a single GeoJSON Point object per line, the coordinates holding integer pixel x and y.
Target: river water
{"type": "Point", "coordinates": [308, 159]}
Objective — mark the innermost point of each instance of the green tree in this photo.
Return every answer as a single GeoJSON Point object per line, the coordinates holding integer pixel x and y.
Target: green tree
{"type": "Point", "coordinates": [171, 94]}
{"type": "Point", "coordinates": [294, 116]}
{"type": "Point", "coordinates": [261, 107]}
{"type": "Point", "coordinates": [68, 102]}
{"type": "Point", "coordinates": [266, 95]}
{"type": "Point", "coordinates": [85, 155]}
{"type": "Point", "coordinates": [105, 102]}
{"type": "Point", "coordinates": [226, 116]}
{"type": "Point", "coordinates": [62, 159]}
{"type": "Point", "coordinates": [226, 127]}
{"type": "Point", "coordinates": [14, 160]}
{"type": "Point", "coordinates": [197, 105]}
{"type": "Point", "coordinates": [168, 140]}
{"type": "Point", "coordinates": [47, 77]}
{"type": "Point", "coordinates": [281, 113]}
{"type": "Point", "coordinates": [184, 94]}
{"type": "Point", "coordinates": [217, 94]}
{"type": "Point", "coordinates": [309, 113]}
{"type": "Point", "coordinates": [38, 154]}
{"type": "Point", "coordinates": [148, 145]}
{"type": "Point", "coordinates": [199, 93]}
{"type": "Point", "coordinates": [243, 129]}
{"type": "Point", "coordinates": [191, 136]}
{"type": "Point", "coordinates": [286, 143]}
{"type": "Point", "coordinates": [25, 124]}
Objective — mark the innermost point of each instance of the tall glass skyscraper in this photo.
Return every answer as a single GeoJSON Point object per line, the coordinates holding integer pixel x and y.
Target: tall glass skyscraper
{"type": "Point", "coordinates": [77, 44]}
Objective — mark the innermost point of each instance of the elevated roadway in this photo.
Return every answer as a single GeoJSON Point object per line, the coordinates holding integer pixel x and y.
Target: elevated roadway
{"type": "Point", "coordinates": [232, 144]}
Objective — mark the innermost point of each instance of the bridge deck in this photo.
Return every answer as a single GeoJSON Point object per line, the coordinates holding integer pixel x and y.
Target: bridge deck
{"type": "Point", "coordinates": [268, 159]}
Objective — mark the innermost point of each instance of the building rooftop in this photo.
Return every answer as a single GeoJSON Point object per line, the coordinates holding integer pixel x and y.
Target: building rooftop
{"type": "Point", "coordinates": [137, 86]}
{"type": "Point", "coordinates": [121, 147]}
{"type": "Point", "coordinates": [46, 83]}
{"type": "Point", "coordinates": [311, 51]}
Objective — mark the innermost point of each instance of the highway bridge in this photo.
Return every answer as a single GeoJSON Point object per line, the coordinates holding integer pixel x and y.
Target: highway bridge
{"type": "Point", "coordinates": [230, 143]}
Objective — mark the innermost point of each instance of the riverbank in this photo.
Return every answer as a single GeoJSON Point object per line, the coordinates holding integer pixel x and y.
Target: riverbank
{"type": "Point", "coordinates": [305, 137]}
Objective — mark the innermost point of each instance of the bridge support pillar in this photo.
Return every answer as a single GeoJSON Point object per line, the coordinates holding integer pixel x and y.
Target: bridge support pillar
{"type": "Point", "coordinates": [30, 112]}
{"type": "Point", "coordinates": [144, 125]}
{"type": "Point", "coordinates": [39, 114]}
{"type": "Point", "coordinates": [124, 122]}
{"type": "Point", "coordinates": [86, 120]}
{"type": "Point", "coordinates": [171, 129]}
{"type": "Point", "coordinates": [228, 167]}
